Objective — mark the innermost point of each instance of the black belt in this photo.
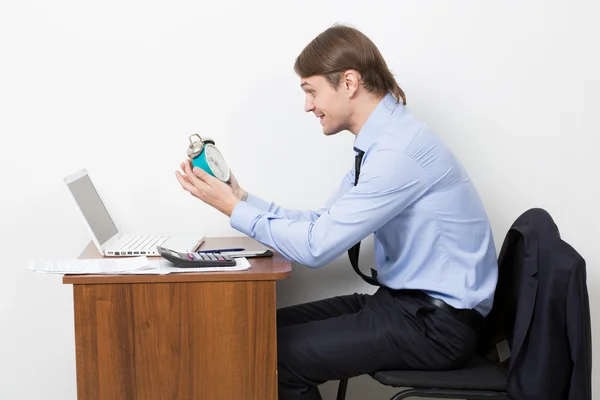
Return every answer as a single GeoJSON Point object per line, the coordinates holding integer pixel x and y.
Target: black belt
{"type": "Point", "coordinates": [470, 317]}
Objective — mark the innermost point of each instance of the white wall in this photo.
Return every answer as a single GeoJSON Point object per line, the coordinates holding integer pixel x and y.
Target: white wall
{"type": "Point", "coordinates": [117, 87]}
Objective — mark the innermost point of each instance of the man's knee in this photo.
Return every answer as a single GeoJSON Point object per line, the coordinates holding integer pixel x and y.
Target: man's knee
{"type": "Point", "coordinates": [288, 350]}
{"type": "Point", "coordinates": [283, 317]}
{"type": "Point", "coordinates": [294, 358]}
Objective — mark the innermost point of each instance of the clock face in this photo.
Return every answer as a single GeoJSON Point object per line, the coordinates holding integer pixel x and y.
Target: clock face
{"type": "Point", "coordinates": [217, 163]}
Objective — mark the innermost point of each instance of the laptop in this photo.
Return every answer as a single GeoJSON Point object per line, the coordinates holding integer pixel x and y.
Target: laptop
{"type": "Point", "coordinates": [105, 234]}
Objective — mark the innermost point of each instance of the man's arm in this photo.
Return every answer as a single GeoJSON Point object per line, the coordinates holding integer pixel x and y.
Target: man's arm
{"type": "Point", "coordinates": [305, 215]}
{"type": "Point", "coordinates": [390, 181]}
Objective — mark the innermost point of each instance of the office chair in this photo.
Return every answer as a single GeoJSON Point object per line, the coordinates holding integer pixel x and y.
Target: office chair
{"type": "Point", "coordinates": [480, 379]}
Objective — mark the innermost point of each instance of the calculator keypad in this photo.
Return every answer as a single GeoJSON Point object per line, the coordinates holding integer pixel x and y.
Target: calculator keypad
{"type": "Point", "coordinates": [211, 257]}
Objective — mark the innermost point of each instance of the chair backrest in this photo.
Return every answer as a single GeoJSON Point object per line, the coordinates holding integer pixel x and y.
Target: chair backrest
{"type": "Point", "coordinates": [500, 321]}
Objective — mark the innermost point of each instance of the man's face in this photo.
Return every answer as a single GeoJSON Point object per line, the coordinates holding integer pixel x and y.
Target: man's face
{"type": "Point", "coordinates": [329, 105]}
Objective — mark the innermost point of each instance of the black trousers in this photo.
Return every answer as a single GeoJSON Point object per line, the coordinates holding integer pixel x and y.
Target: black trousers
{"type": "Point", "coordinates": [357, 334]}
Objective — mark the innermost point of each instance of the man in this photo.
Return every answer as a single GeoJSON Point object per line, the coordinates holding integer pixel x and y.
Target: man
{"type": "Point", "coordinates": [434, 252]}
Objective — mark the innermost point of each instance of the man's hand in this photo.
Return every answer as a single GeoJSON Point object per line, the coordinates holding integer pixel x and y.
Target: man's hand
{"type": "Point", "coordinates": [207, 188]}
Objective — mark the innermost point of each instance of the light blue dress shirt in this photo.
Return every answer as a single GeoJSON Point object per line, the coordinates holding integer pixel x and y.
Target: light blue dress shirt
{"type": "Point", "coordinates": [431, 231]}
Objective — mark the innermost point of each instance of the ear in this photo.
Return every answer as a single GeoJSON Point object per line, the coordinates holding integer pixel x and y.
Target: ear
{"type": "Point", "coordinates": [351, 82]}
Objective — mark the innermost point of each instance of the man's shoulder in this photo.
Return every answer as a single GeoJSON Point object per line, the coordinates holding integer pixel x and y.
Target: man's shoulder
{"type": "Point", "coordinates": [410, 136]}
{"type": "Point", "coordinates": [405, 136]}
{"type": "Point", "coordinates": [399, 130]}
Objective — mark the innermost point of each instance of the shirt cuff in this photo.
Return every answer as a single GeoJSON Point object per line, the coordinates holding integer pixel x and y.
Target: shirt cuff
{"type": "Point", "coordinates": [244, 216]}
{"type": "Point", "coordinates": [258, 202]}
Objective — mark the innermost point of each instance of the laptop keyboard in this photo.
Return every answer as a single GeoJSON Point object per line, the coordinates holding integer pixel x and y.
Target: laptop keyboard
{"type": "Point", "coordinates": [141, 244]}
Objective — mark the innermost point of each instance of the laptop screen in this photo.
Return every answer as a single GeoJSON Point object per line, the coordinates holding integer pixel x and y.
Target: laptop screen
{"type": "Point", "coordinates": [93, 209]}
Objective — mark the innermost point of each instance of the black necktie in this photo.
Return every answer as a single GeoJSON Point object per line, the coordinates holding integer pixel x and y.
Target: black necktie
{"type": "Point", "coordinates": [355, 250]}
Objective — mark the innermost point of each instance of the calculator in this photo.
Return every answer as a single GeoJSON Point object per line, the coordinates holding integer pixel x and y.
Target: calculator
{"type": "Point", "coordinates": [195, 260]}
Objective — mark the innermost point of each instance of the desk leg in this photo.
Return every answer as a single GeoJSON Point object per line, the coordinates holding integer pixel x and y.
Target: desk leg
{"type": "Point", "coordinates": [191, 340]}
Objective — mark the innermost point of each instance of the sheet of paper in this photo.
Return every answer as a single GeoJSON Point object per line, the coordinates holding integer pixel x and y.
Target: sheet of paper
{"type": "Point", "coordinates": [121, 266]}
{"type": "Point", "coordinates": [91, 266]}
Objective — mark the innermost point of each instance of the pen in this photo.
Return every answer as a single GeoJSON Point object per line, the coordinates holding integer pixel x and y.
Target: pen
{"type": "Point", "coordinates": [221, 250]}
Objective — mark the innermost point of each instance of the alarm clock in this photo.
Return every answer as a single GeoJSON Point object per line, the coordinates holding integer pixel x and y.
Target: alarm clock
{"type": "Point", "coordinates": [205, 155]}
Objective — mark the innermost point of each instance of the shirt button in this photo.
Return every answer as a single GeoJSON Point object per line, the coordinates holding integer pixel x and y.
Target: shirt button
{"type": "Point", "coordinates": [387, 258]}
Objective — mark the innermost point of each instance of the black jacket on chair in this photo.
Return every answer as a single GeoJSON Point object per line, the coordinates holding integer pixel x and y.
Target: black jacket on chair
{"type": "Point", "coordinates": [543, 280]}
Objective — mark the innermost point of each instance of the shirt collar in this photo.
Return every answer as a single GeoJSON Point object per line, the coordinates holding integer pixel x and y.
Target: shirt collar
{"type": "Point", "coordinates": [368, 133]}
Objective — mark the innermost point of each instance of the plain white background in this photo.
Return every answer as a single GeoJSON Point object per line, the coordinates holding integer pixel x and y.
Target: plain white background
{"type": "Point", "coordinates": [117, 87]}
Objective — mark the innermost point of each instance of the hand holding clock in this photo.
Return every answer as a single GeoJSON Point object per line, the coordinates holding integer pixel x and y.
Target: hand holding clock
{"type": "Point", "coordinates": [209, 189]}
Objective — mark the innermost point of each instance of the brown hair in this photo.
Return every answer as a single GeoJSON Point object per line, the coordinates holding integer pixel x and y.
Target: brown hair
{"type": "Point", "coordinates": [341, 48]}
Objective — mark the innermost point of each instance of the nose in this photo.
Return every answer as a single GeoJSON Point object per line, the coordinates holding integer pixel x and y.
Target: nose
{"type": "Point", "coordinates": [308, 104]}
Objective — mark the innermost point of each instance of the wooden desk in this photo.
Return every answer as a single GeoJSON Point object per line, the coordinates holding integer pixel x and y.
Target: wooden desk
{"type": "Point", "coordinates": [208, 335]}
